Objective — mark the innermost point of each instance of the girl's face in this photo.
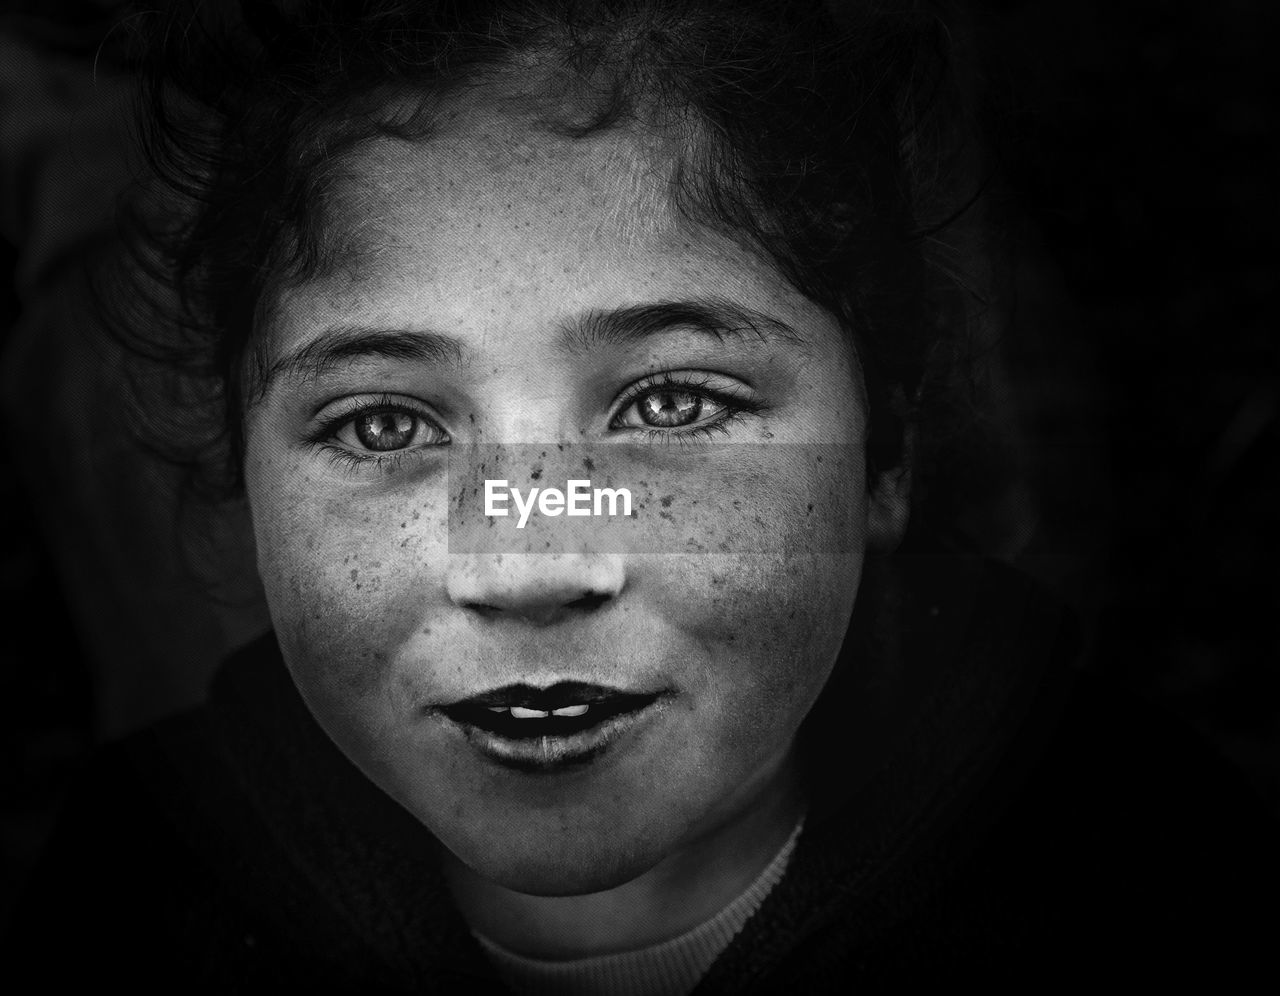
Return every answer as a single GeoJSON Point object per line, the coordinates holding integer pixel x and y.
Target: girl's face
{"type": "Point", "coordinates": [496, 315]}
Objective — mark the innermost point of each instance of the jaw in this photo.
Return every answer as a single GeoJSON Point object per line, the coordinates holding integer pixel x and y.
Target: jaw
{"type": "Point", "coordinates": [595, 830]}
{"type": "Point", "coordinates": [592, 898]}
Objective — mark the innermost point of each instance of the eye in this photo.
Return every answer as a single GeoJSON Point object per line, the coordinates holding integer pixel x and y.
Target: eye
{"type": "Point", "coordinates": [382, 431]}
{"type": "Point", "coordinates": [385, 426]}
{"type": "Point", "coordinates": [683, 405]}
{"type": "Point", "coordinates": [670, 408]}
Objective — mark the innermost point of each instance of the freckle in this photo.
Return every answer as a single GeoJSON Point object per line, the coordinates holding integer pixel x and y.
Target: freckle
{"type": "Point", "coordinates": [404, 542]}
{"type": "Point", "coordinates": [667, 500]}
{"type": "Point", "coordinates": [588, 463]}
{"type": "Point", "coordinates": [354, 574]}
{"type": "Point", "coordinates": [535, 474]}
{"type": "Point", "coordinates": [426, 630]}
{"type": "Point", "coordinates": [667, 516]}
{"type": "Point", "coordinates": [404, 525]}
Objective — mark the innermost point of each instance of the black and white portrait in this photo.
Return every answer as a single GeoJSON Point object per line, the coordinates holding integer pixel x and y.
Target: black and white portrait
{"type": "Point", "coordinates": [638, 496]}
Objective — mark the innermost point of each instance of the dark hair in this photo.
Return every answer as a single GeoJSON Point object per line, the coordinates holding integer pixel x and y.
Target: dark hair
{"type": "Point", "coordinates": [832, 138]}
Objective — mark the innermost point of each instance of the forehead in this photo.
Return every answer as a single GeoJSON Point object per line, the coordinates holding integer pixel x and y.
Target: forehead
{"type": "Point", "coordinates": [492, 223]}
{"type": "Point", "coordinates": [504, 175]}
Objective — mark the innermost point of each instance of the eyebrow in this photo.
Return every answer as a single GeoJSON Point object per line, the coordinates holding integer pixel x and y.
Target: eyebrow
{"type": "Point", "coordinates": [716, 317]}
{"type": "Point", "coordinates": [345, 344]}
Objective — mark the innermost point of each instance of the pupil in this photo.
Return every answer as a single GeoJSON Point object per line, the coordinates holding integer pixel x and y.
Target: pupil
{"type": "Point", "coordinates": [671, 408]}
{"type": "Point", "coordinates": [385, 430]}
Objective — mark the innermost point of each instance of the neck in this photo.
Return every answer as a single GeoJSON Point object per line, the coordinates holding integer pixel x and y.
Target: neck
{"type": "Point", "coordinates": [685, 889]}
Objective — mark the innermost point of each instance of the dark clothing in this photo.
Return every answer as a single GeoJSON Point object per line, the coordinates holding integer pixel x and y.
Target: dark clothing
{"type": "Point", "coordinates": [1026, 826]}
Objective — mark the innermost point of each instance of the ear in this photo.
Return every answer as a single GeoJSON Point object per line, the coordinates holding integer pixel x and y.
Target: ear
{"type": "Point", "coordinates": [889, 500]}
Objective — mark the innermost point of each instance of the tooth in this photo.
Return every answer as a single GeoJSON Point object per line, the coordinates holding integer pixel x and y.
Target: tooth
{"type": "Point", "coordinates": [573, 710]}
{"type": "Point", "coordinates": [520, 712]}
{"type": "Point", "coordinates": [496, 708]}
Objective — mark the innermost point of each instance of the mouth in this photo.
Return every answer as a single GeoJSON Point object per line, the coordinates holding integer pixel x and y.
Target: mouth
{"type": "Point", "coordinates": [566, 725]}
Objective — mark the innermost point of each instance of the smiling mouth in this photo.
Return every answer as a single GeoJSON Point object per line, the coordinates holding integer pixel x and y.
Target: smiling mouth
{"type": "Point", "coordinates": [565, 725]}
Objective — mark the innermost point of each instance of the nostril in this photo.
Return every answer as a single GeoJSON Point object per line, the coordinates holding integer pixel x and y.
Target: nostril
{"type": "Point", "coordinates": [589, 601]}
{"type": "Point", "coordinates": [535, 589]}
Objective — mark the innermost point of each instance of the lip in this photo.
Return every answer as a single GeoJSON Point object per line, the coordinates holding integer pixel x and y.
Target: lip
{"type": "Point", "coordinates": [546, 754]}
{"type": "Point", "coordinates": [562, 693]}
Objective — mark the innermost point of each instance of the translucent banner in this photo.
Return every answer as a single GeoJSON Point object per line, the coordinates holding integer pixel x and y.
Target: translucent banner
{"type": "Point", "coordinates": [656, 498]}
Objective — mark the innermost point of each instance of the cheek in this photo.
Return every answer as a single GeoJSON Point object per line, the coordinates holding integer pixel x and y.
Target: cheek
{"type": "Point", "coordinates": [770, 629]}
{"type": "Point", "coordinates": [348, 579]}
{"type": "Point", "coordinates": [769, 624]}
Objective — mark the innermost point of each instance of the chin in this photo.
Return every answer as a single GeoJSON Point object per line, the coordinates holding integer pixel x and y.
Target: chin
{"type": "Point", "coordinates": [587, 864]}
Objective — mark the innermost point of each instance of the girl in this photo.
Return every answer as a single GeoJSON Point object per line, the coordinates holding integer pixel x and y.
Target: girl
{"type": "Point", "coordinates": [723, 739]}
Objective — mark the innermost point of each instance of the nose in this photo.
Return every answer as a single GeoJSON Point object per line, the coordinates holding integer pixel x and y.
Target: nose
{"type": "Point", "coordinates": [541, 589]}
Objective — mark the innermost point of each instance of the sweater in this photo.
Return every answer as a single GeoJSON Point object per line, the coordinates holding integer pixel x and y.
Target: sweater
{"type": "Point", "coordinates": [670, 968]}
{"type": "Point", "coordinates": [1022, 822]}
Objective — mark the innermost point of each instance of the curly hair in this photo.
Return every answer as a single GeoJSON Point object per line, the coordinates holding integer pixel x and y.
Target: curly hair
{"type": "Point", "coordinates": [831, 138]}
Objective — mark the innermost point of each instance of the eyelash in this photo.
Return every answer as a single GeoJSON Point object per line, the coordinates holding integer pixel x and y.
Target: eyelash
{"type": "Point", "coordinates": [736, 409]}
{"type": "Point", "coordinates": [325, 435]}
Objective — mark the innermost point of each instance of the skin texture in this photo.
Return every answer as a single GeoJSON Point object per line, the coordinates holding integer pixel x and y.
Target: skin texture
{"type": "Point", "coordinates": [731, 594]}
